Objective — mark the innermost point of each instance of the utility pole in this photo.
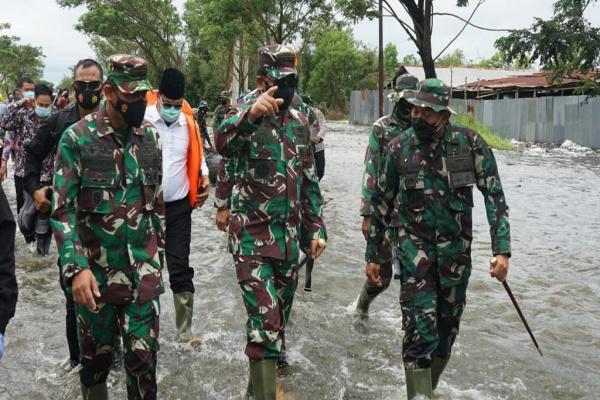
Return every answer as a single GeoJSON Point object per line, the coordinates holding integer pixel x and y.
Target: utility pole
{"type": "Point", "coordinates": [380, 59]}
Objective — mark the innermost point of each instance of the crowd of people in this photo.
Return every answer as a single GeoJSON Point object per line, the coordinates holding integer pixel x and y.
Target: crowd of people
{"type": "Point", "coordinates": [116, 174]}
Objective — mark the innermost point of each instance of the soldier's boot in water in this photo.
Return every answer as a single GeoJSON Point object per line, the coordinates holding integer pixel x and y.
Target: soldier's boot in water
{"type": "Point", "coordinates": [361, 314]}
{"type": "Point", "coordinates": [263, 375]}
{"type": "Point", "coordinates": [184, 309]}
{"type": "Point", "coordinates": [438, 365]}
{"type": "Point", "coordinates": [282, 361]}
{"type": "Point", "coordinates": [95, 392]}
{"type": "Point", "coordinates": [418, 383]}
{"type": "Point", "coordinates": [249, 389]}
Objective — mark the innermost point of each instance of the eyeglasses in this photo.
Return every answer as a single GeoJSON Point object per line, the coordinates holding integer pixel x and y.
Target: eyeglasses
{"type": "Point", "coordinates": [92, 85]}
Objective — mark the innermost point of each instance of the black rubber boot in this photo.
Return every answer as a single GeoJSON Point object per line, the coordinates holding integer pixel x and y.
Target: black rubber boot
{"type": "Point", "coordinates": [96, 392]}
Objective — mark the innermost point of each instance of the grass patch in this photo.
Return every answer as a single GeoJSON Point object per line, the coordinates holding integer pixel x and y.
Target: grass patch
{"type": "Point", "coordinates": [490, 136]}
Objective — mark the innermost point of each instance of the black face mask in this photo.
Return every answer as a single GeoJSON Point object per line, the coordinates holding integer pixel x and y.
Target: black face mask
{"type": "Point", "coordinates": [423, 130]}
{"type": "Point", "coordinates": [132, 112]}
{"type": "Point", "coordinates": [87, 98]}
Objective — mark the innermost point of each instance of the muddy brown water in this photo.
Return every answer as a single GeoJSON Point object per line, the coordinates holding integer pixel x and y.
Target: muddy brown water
{"type": "Point", "coordinates": [555, 218]}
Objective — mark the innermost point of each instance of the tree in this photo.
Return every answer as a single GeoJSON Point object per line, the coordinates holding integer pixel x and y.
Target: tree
{"type": "Point", "coordinates": [567, 44]}
{"type": "Point", "coordinates": [410, 59]}
{"type": "Point", "coordinates": [149, 28]}
{"type": "Point", "coordinates": [65, 82]}
{"type": "Point", "coordinates": [454, 59]}
{"type": "Point", "coordinates": [390, 60]}
{"type": "Point", "coordinates": [419, 31]}
{"type": "Point", "coordinates": [18, 60]}
{"type": "Point", "coordinates": [498, 60]}
{"type": "Point", "coordinates": [340, 64]}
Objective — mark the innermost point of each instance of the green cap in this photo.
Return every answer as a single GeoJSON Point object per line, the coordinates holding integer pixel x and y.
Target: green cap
{"type": "Point", "coordinates": [430, 93]}
{"type": "Point", "coordinates": [404, 83]}
{"type": "Point", "coordinates": [129, 73]}
{"type": "Point", "coordinates": [278, 61]}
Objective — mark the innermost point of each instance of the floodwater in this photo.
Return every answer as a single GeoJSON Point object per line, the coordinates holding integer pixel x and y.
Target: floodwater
{"type": "Point", "coordinates": [553, 195]}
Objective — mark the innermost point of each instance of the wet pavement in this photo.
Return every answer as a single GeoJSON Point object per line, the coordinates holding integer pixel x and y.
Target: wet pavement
{"type": "Point", "coordinates": [555, 218]}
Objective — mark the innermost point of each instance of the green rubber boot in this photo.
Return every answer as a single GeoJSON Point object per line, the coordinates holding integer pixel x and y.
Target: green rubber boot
{"type": "Point", "coordinates": [249, 389]}
{"type": "Point", "coordinates": [184, 309]}
{"type": "Point", "coordinates": [364, 301]}
{"type": "Point", "coordinates": [438, 365]}
{"type": "Point", "coordinates": [263, 374]}
{"type": "Point", "coordinates": [96, 392]}
{"type": "Point", "coordinates": [418, 383]}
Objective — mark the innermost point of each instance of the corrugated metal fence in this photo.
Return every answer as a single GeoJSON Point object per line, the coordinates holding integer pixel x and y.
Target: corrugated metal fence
{"type": "Point", "coordinates": [543, 119]}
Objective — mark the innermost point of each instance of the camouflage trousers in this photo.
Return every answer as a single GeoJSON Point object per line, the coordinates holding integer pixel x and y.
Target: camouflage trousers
{"type": "Point", "coordinates": [138, 324]}
{"type": "Point", "coordinates": [433, 297]}
{"type": "Point", "coordinates": [268, 287]}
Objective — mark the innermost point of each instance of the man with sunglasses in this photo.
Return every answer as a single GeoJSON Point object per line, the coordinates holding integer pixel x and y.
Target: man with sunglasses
{"type": "Point", "coordinates": [108, 217]}
{"type": "Point", "coordinates": [87, 84]}
{"type": "Point", "coordinates": [185, 187]}
{"type": "Point", "coordinates": [276, 206]}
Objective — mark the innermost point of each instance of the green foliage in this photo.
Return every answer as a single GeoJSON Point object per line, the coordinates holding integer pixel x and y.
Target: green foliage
{"type": "Point", "coordinates": [410, 59]}
{"type": "Point", "coordinates": [390, 60]}
{"type": "Point", "coordinates": [149, 28]}
{"type": "Point", "coordinates": [18, 60]}
{"type": "Point", "coordinates": [566, 44]}
{"type": "Point", "coordinates": [454, 59]}
{"type": "Point", "coordinates": [65, 82]}
{"type": "Point", "coordinates": [341, 65]}
{"type": "Point", "coordinates": [498, 60]}
{"type": "Point", "coordinates": [490, 136]}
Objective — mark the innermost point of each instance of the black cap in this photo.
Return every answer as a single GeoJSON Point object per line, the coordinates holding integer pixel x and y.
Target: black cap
{"type": "Point", "coordinates": [172, 84]}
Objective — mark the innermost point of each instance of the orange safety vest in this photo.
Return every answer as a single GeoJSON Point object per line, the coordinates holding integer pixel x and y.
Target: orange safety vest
{"type": "Point", "coordinates": [194, 157]}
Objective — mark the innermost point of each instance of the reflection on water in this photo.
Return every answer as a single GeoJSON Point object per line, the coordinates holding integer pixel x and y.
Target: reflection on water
{"type": "Point", "coordinates": [553, 195]}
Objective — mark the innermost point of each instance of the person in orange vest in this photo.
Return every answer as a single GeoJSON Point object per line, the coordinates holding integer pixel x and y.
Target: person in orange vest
{"type": "Point", "coordinates": [185, 187]}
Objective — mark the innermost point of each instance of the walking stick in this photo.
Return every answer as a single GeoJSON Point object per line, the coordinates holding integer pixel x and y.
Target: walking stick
{"type": "Point", "coordinates": [309, 268]}
{"type": "Point", "coordinates": [514, 301]}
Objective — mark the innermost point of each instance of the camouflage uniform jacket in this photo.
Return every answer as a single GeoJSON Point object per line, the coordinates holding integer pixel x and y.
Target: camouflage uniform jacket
{"type": "Point", "coordinates": [24, 123]}
{"type": "Point", "coordinates": [276, 197]}
{"type": "Point", "coordinates": [219, 115]}
{"type": "Point", "coordinates": [383, 131]}
{"type": "Point", "coordinates": [225, 183]}
{"type": "Point", "coordinates": [431, 186]}
{"type": "Point", "coordinates": [108, 209]}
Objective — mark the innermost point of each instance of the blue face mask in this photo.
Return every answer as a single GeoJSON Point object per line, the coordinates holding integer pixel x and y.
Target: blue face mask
{"type": "Point", "coordinates": [29, 94]}
{"type": "Point", "coordinates": [170, 114]}
{"type": "Point", "coordinates": [42, 112]}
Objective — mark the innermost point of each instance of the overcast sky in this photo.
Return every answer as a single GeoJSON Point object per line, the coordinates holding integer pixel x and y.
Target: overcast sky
{"type": "Point", "coordinates": [43, 23]}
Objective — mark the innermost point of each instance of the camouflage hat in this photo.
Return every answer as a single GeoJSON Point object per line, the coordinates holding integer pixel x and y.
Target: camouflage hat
{"type": "Point", "coordinates": [430, 93]}
{"type": "Point", "coordinates": [225, 93]}
{"type": "Point", "coordinates": [403, 85]}
{"type": "Point", "coordinates": [277, 61]}
{"type": "Point", "coordinates": [129, 73]}
{"type": "Point", "coordinates": [203, 105]}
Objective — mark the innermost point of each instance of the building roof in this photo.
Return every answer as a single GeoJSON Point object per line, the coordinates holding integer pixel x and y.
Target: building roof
{"type": "Point", "coordinates": [539, 80]}
{"type": "Point", "coordinates": [459, 76]}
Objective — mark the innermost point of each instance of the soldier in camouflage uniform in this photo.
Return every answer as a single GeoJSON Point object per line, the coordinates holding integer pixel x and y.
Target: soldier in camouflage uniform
{"type": "Point", "coordinates": [382, 132]}
{"type": "Point", "coordinates": [108, 215]}
{"type": "Point", "coordinates": [428, 177]}
{"type": "Point", "coordinates": [222, 109]}
{"type": "Point", "coordinates": [275, 204]}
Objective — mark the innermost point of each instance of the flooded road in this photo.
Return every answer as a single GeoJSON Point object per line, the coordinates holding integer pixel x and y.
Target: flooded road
{"type": "Point", "coordinates": [553, 196]}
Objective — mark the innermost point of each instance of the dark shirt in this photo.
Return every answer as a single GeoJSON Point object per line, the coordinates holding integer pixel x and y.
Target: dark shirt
{"type": "Point", "coordinates": [8, 283]}
{"type": "Point", "coordinates": [45, 142]}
